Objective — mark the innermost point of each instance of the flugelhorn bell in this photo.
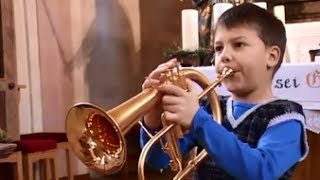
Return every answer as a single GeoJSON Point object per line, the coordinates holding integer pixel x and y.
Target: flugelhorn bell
{"type": "Point", "coordinates": [97, 136]}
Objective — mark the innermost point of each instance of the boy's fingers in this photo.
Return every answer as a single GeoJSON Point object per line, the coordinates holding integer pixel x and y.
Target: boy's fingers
{"type": "Point", "coordinates": [170, 116]}
{"type": "Point", "coordinates": [171, 89]}
{"type": "Point", "coordinates": [170, 100]}
{"type": "Point", "coordinates": [170, 63]}
{"type": "Point", "coordinates": [171, 108]}
{"type": "Point", "coordinates": [162, 68]}
{"type": "Point", "coordinates": [149, 83]}
{"type": "Point", "coordinates": [157, 72]}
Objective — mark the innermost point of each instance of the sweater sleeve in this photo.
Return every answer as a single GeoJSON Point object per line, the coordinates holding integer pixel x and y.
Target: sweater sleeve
{"type": "Point", "coordinates": [276, 152]}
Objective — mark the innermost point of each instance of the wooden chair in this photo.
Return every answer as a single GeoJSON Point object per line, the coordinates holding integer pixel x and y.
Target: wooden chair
{"type": "Point", "coordinates": [62, 144]}
{"type": "Point", "coordinates": [42, 151]}
{"type": "Point", "coordinates": [15, 158]}
{"type": "Point", "coordinates": [65, 146]}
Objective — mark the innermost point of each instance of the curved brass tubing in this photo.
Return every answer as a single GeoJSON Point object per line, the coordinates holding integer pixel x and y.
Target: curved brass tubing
{"type": "Point", "coordinates": [97, 136]}
{"type": "Point", "coordinates": [215, 107]}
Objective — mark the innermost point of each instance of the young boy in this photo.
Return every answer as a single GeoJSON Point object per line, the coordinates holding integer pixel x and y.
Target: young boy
{"type": "Point", "coordinates": [261, 137]}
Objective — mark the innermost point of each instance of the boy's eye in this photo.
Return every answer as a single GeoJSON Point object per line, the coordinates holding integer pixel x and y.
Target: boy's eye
{"type": "Point", "coordinates": [218, 48]}
{"type": "Point", "coordinates": [239, 44]}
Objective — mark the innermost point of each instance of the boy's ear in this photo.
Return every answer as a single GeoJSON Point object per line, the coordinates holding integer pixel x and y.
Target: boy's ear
{"type": "Point", "coordinates": [274, 56]}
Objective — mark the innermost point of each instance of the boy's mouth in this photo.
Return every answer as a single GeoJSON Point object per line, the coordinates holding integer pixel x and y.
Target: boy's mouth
{"type": "Point", "coordinates": [234, 70]}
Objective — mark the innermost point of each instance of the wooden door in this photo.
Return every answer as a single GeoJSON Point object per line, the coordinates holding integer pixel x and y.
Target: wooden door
{"type": "Point", "coordinates": [9, 109]}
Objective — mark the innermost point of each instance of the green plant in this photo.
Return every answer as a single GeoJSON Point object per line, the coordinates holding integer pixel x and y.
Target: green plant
{"type": "Point", "coordinates": [3, 136]}
{"type": "Point", "coordinates": [180, 53]}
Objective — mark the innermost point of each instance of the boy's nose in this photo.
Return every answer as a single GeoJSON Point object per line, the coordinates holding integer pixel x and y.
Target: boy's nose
{"type": "Point", "coordinates": [225, 59]}
{"type": "Point", "coordinates": [225, 55]}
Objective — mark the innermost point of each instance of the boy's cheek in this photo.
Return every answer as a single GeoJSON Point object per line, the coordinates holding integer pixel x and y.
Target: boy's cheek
{"type": "Point", "coordinates": [216, 66]}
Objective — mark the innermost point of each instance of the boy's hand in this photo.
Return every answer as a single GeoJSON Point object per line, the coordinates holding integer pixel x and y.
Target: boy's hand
{"type": "Point", "coordinates": [152, 118]}
{"type": "Point", "coordinates": [153, 78]}
{"type": "Point", "coordinates": [179, 105]}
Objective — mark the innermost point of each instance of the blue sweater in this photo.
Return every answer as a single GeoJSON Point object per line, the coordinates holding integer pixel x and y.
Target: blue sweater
{"type": "Point", "coordinates": [270, 159]}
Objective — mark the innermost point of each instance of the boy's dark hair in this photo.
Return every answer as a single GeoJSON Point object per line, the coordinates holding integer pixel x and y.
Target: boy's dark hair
{"type": "Point", "coordinates": [269, 29]}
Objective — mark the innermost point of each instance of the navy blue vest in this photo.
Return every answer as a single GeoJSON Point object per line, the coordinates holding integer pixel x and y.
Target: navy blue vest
{"type": "Point", "coordinates": [248, 131]}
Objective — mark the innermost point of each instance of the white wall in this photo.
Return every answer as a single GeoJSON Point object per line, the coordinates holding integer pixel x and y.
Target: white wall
{"type": "Point", "coordinates": [28, 66]}
{"type": "Point", "coordinates": [301, 38]}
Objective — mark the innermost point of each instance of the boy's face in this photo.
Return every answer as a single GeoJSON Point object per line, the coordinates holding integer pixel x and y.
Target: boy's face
{"type": "Point", "coordinates": [241, 49]}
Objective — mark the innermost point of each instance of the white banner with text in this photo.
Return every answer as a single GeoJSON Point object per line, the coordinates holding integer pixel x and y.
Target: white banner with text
{"type": "Point", "coordinates": [297, 82]}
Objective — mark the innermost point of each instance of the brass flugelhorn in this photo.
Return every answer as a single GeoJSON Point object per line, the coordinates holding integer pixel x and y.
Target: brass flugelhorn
{"type": "Point", "coordinates": [97, 136]}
